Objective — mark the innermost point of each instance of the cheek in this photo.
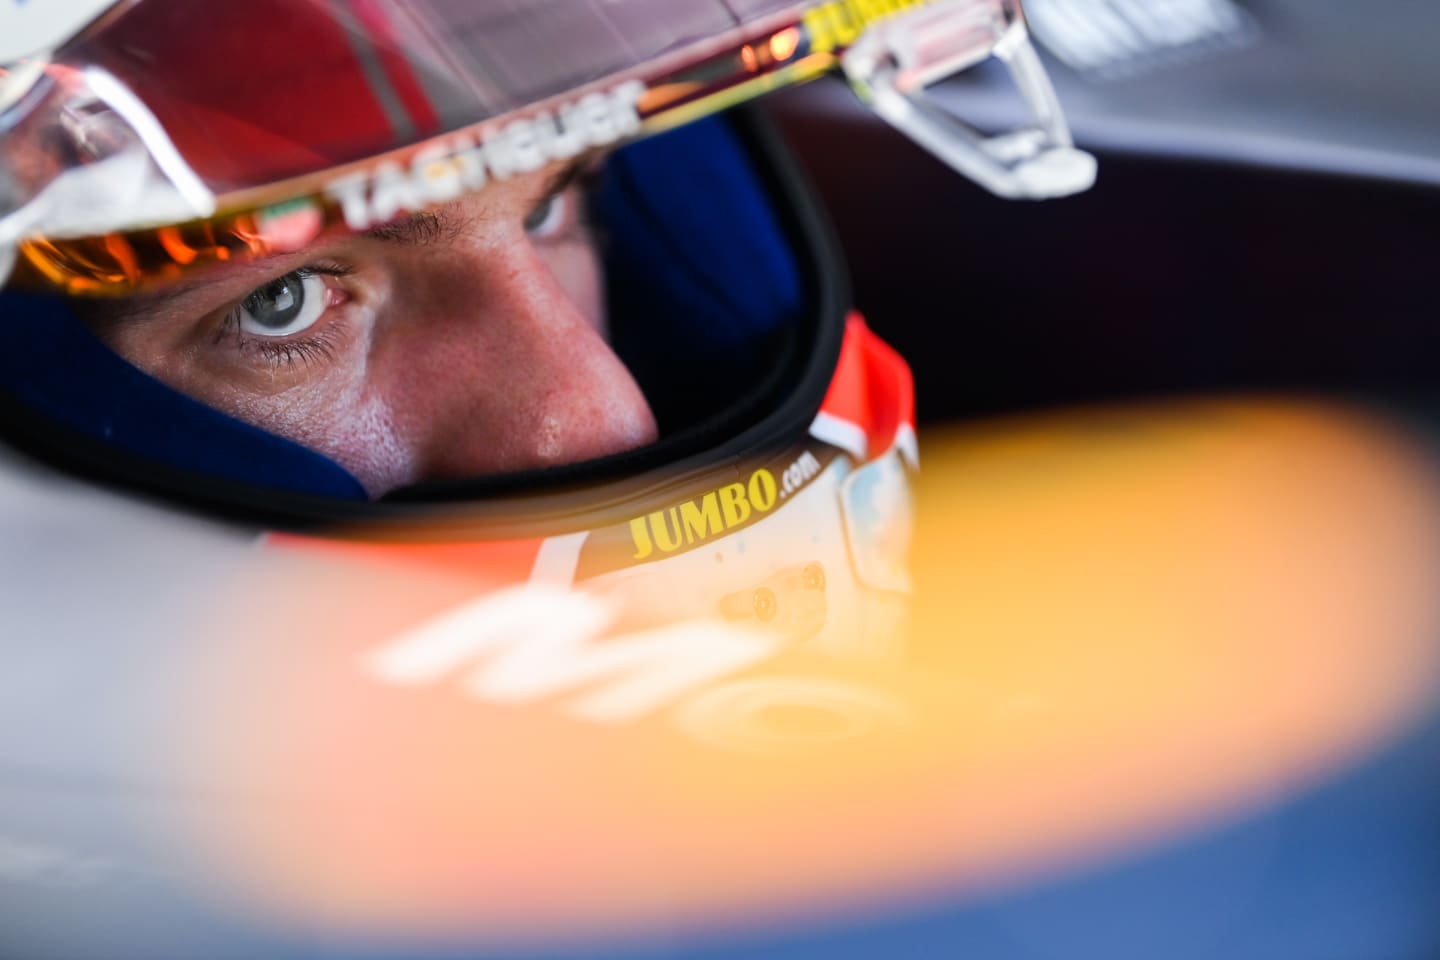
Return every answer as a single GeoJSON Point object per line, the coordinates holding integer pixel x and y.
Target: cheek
{"type": "Point", "coordinates": [576, 269]}
{"type": "Point", "coordinates": [332, 413]}
{"type": "Point", "coordinates": [353, 426]}
{"type": "Point", "coordinates": [368, 444]}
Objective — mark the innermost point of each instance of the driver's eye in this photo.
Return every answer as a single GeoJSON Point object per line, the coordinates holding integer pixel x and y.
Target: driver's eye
{"type": "Point", "coordinates": [285, 306]}
{"type": "Point", "coordinates": [549, 216]}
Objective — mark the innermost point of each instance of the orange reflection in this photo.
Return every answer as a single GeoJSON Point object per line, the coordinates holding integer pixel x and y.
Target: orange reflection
{"type": "Point", "coordinates": [784, 44]}
{"type": "Point", "coordinates": [1129, 623]}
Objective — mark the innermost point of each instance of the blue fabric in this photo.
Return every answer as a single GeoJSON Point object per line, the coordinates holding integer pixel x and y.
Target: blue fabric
{"type": "Point", "coordinates": [703, 286]}
{"type": "Point", "coordinates": [51, 363]}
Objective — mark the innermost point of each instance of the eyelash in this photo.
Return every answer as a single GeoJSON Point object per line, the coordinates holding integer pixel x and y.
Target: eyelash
{"type": "Point", "coordinates": [577, 197]}
{"type": "Point", "coordinates": [316, 344]}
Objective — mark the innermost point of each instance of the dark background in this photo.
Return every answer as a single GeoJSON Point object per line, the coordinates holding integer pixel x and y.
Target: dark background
{"type": "Point", "coordinates": [1265, 219]}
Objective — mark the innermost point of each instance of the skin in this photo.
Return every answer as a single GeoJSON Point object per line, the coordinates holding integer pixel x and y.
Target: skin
{"type": "Point", "coordinates": [467, 341]}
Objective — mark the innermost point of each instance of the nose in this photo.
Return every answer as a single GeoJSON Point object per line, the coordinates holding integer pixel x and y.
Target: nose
{"type": "Point", "coordinates": [505, 366]}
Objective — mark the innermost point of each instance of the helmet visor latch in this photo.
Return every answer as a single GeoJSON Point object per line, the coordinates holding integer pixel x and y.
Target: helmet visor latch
{"type": "Point", "coordinates": [894, 62]}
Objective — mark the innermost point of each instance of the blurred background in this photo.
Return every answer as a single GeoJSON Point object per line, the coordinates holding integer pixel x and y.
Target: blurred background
{"type": "Point", "coordinates": [1264, 217]}
{"type": "Point", "coordinates": [1177, 644]}
{"type": "Point", "coordinates": [1262, 232]}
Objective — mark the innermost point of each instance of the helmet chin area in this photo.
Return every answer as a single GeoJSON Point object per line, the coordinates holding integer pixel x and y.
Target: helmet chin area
{"type": "Point", "coordinates": [714, 308]}
{"type": "Point", "coordinates": [773, 509]}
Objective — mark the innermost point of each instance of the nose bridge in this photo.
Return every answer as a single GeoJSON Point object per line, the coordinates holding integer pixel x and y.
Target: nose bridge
{"type": "Point", "coordinates": [505, 372]}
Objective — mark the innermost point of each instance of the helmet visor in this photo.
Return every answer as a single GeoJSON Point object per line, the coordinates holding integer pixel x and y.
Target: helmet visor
{"type": "Point", "coordinates": [266, 123]}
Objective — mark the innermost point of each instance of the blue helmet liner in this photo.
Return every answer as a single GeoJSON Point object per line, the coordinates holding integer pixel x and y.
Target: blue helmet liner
{"type": "Point", "coordinates": [705, 290]}
{"type": "Point", "coordinates": [51, 364]}
{"type": "Point", "coordinates": [704, 293]}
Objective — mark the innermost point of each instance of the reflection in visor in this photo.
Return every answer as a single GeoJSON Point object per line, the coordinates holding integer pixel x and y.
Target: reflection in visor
{"type": "Point", "coordinates": [367, 95]}
{"type": "Point", "coordinates": [377, 108]}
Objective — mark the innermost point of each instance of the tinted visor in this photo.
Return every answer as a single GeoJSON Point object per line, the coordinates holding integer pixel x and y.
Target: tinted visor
{"type": "Point", "coordinates": [286, 117]}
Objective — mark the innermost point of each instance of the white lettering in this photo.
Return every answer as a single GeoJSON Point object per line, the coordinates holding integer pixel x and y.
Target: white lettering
{"type": "Point", "coordinates": [442, 646]}
{"type": "Point", "coordinates": [441, 172]}
{"type": "Point", "coordinates": [648, 670]}
{"type": "Point", "coordinates": [470, 163]}
{"type": "Point", "coordinates": [520, 138]}
{"type": "Point", "coordinates": [599, 119]}
{"type": "Point", "coordinates": [393, 192]}
{"type": "Point", "coordinates": [564, 137]}
{"type": "Point", "coordinates": [538, 642]}
{"type": "Point", "coordinates": [349, 191]}
{"type": "Point", "coordinates": [438, 174]}
{"type": "Point", "coordinates": [626, 99]}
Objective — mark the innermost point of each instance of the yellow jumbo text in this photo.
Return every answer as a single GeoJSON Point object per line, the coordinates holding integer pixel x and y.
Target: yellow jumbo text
{"type": "Point", "coordinates": [696, 521]}
{"type": "Point", "coordinates": [839, 23]}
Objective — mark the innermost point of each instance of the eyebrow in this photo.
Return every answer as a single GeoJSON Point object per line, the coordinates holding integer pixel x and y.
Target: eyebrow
{"type": "Point", "coordinates": [426, 227]}
{"type": "Point", "coordinates": [415, 230]}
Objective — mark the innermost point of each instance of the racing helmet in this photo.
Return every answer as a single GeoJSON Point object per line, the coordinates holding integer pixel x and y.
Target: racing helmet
{"type": "Point", "coordinates": [146, 145]}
